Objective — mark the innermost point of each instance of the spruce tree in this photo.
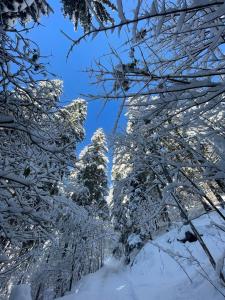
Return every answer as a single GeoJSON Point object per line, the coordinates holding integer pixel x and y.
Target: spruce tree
{"type": "Point", "coordinates": [82, 12]}
{"type": "Point", "coordinates": [92, 174]}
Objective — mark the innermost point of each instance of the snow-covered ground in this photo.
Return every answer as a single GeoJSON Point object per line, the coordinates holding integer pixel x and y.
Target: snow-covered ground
{"type": "Point", "coordinates": [20, 292]}
{"type": "Point", "coordinates": [165, 269]}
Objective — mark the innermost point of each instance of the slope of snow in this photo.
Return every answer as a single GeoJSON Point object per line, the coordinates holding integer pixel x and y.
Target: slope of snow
{"type": "Point", "coordinates": [165, 269]}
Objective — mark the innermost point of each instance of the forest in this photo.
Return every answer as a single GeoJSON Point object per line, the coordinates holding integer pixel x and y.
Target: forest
{"type": "Point", "coordinates": [134, 214]}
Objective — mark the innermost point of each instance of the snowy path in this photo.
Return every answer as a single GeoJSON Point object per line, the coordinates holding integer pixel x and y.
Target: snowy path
{"type": "Point", "coordinates": [112, 282]}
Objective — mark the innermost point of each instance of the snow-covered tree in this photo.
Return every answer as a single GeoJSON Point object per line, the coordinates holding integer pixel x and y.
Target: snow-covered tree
{"type": "Point", "coordinates": [37, 148]}
{"type": "Point", "coordinates": [139, 208]}
{"type": "Point", "coordinates": [157, 164]}
{"type": "Point", "coordinates": [92, 175]}
{"type": "Point", "coordinates": [78, 249]}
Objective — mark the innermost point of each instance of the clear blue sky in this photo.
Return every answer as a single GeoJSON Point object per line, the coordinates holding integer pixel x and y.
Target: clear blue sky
{"type": "Point", "coordinates": [53, 43]}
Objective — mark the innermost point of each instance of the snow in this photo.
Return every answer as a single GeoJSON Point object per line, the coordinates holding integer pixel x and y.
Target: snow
{"type": "Point", "coordinates": [165, 269]}
{"type": "Point", "coordinates": [21, 292]}
{"type": "Point", "coordinates": [134, 239]}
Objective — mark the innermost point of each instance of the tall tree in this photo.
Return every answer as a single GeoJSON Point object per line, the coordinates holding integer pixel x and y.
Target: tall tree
{"type": "Point", "coordinates": [92, 174]}
{"type": "Point", "coordinates": [139, 208]}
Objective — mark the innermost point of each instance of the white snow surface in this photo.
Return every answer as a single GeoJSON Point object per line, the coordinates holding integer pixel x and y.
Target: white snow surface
{"type": "Point", "coordinates": [165, 269]}
{"type": "Point", "coordinates": [21, 292]}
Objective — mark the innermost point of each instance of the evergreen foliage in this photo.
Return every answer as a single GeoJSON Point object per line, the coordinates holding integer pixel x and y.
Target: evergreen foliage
{"type": "Point", "coordinates": [82, 12]}
{"type": "Point", "coordinates": [92, 175]}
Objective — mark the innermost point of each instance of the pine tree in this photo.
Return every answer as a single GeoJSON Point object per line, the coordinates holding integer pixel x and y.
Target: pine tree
{"type": "Point", "coordinates": [82, 12]}
{"type": "Point", "coordinates": [92, 174]}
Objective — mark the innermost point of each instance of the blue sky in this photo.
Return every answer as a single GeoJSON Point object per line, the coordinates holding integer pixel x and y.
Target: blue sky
{"type": "Point", "coordinates": [54, 44]}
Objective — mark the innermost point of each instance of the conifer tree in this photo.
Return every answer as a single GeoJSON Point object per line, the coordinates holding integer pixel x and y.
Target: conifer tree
{"type": "Point", "coordinates": [82, 12]}
{"type": "Point", "coordinates": [139, 209]}
{"type": "Point", "coordinates": [92, 174]}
